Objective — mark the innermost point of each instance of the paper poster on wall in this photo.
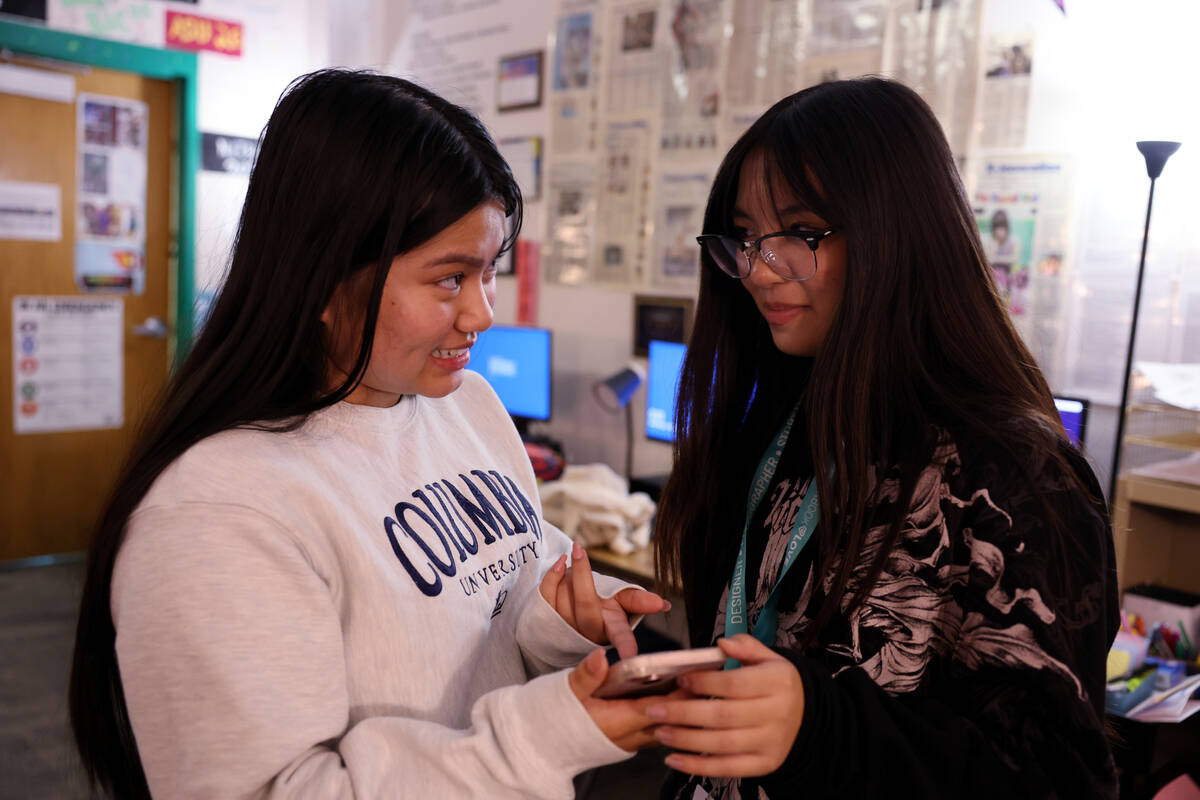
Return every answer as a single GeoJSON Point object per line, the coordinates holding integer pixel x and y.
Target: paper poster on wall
{"type": "Point", "coordinates": [621, 218]}
{"type": "Point", "coordinates": [932, 48]}
{"type": "Point", "coordinates": [634, 63]}
{"type": "Point", "coordinates": [680, 201]}
{"type": "Point", "coordinates": [735, 124]}
{"type": "Point", "coordinates": [1004, 92]}
{"type": "Point", "coordinates": [691, 94]}
{"type": "Point", "coordinates": [841, 65]}
{"type": "Point", "coordinates": [30, 211]}
{"type": "Point", "coordinates": [845, 40]}
{"type": "Point", "coordinates": [573, 123]}
{"type": "Point", "coordinates": [68, 363]}
{"type": "Point", "coordinates": [455, 50]}
{"type": "Point", "coordinates": [572, 211]}
{"type": "Point", "coordinates": [110, 214]}
{"type": "Point", "coordinates": [574, 101]}
{"type": "Point", "coordinates": [40, 84]}
{"type": "Point", "coordinates": [573, 52]}
{"type": "Point", "coordinates": [123, 20]}
{"type": "Point", "coordinates": [1022, 207]}
{"type": "Point", "coordinates": [845, 25]}
{"type": "Point", "coordinates": [766, 49]}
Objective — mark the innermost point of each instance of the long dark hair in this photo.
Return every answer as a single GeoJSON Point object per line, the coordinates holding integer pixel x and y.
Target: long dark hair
{"type": "Point", "coordinates": [921, 340]}
{"type": "Point", "coordinates": [354, 168]}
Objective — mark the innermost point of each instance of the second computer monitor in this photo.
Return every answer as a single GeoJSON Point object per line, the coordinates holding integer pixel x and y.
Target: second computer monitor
{"type": "Point", "coordinates": [662, 388]}
{"type": "Point", "coordinates": [1074, 412]}
{"type": "Point", "coordinates": [516, 362]}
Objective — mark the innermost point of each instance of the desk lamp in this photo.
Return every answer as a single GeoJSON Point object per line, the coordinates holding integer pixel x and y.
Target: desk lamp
{"type": "Point", "coordinates": [614, 393]}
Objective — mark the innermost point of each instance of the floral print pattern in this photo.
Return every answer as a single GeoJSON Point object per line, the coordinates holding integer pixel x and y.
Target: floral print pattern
{"type": "Point", "coordinates": [948, 601]}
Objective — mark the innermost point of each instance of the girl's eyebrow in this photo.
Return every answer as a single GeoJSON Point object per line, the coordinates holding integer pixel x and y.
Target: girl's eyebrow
{"type": "Point", "coordinates": [456, 258]}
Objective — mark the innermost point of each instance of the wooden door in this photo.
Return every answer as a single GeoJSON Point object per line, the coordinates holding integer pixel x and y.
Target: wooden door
{"type": "Point", "coordinates": [54, 483]}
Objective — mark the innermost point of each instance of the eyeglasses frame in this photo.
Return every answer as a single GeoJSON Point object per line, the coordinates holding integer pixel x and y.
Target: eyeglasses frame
{"type": "Point", "coordinates": [811, 238]}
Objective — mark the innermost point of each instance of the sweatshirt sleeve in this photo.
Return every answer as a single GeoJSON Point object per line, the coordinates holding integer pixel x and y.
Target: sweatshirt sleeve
{"type": "Point", "coordinates": [233, 667]}
{"type": "Point", "coordinates": [1015, 708]}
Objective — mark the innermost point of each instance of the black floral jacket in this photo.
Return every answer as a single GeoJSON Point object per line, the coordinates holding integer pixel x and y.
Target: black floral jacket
{"type": "Point", "coordinates": [975, 668]}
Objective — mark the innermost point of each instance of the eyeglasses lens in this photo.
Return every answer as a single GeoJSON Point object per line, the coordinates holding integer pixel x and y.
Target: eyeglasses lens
{"type": "Point", "coordinates": [727, 253]}
{"type": "Point", "coordinates": [790, 257]}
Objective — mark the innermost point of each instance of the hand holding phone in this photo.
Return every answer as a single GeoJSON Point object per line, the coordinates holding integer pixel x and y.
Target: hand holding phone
{"type": "Point", "coordinates": [656, 673]}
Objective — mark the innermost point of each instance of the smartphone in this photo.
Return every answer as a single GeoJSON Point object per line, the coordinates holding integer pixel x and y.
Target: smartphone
{"type": "Point", "coordinates": [656, 673]}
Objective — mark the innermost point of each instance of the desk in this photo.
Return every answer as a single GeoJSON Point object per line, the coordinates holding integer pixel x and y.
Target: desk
{"type": "Point", "coordinates": [638, 567]}
{"type": "Point", "coordinates": [1144, 750]}
{"type": "Point", "coordinates": [1156, 525]}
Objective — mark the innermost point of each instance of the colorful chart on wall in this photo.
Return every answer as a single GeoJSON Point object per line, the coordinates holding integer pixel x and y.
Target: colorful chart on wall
{"type": "Point", "coordinates": [68, 363]}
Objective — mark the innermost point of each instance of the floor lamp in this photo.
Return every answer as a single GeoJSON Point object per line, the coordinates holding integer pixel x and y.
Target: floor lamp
{"type": "Point", "coordinates": [1156, 155]}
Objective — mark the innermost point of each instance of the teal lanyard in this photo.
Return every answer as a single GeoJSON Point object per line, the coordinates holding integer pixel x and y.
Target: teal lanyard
{"type": "Point", "coordinates": [802, 528]}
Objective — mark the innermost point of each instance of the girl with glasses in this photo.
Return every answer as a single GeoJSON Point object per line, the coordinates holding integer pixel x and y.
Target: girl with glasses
{"type": "Point", "coordinates": [874, 509]}
{"type": "Point", "coordinates": [324, 571]}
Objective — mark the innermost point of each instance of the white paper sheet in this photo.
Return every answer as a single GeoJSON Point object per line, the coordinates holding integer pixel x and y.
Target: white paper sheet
{"type": "Point", "coordinates": [42, 84]}
{"type": "Point", "coordinates": [68, 363]}
{"type": "Point", "coordinates": [1174, 384]}
{"type": "Point", "coordinates": [30, 211]}
{"type": "Point", "coordinates": [1169, 705]}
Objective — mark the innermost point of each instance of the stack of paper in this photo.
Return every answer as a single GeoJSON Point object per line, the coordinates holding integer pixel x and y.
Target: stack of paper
{"type": "Point", "coordinates": [1169, 705]}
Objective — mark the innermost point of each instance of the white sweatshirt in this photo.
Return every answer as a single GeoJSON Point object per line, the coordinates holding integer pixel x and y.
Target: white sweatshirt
{"type": "Point", "coordinates": [351, 610]}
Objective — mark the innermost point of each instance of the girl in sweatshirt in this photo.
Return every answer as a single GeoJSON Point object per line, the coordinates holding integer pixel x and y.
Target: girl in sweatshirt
{"type": "Point", "coordinates": [324, 571]}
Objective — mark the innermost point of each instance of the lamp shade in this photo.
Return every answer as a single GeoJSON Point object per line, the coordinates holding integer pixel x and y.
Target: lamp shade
{"type": "Point", "coordinates": [1156, 155]}
{"type": "Point", "coordinates": [615, 391]}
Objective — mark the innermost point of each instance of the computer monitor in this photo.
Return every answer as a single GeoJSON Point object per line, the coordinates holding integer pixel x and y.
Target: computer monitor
{"type": "Point", "coordinates": [1074, 413]}
{"type": "Point", "coordinates": [516, 362]}
{"type": "Point", "coordinates": [662, 388]}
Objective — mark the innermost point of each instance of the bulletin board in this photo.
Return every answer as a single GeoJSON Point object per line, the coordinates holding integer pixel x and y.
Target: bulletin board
{"type": "Point", "coordinates": [643, 97]}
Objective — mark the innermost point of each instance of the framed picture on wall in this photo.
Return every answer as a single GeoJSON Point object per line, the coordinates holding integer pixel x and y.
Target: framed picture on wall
{"type": "Point", "coordinates": [524, 157]}
{"type": "Point", "coordinates": [506, 264]}
{"type": "Point", "coordinates": [519, 82]}
{"type": "Point", "coordinates": [667, 319]}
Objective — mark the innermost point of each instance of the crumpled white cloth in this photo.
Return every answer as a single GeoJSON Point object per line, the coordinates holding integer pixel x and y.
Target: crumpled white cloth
{"type": "Point", "coordinates": [592, 505]}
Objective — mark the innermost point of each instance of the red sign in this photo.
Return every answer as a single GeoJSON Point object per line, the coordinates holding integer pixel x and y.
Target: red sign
{"type": "Point", "coordinates": [528, 261]}
{"type": "Point", "coordinates": [190, 32]}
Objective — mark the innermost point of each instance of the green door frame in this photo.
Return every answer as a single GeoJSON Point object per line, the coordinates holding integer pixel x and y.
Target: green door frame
{"type": "Point", "coordinates": [169, 65]}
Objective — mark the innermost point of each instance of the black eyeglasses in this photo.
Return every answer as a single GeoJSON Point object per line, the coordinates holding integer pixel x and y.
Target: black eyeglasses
{"type": "Point", "coordinates": [792, 255]}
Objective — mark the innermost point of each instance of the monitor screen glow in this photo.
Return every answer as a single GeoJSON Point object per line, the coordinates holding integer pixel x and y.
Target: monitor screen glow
{"type": "Point", "coordinates": [1073, 412]}
{"type": "Point", "coordinates": [516, 362]}
{"type": "Point", "coordinates": [662, 388]}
